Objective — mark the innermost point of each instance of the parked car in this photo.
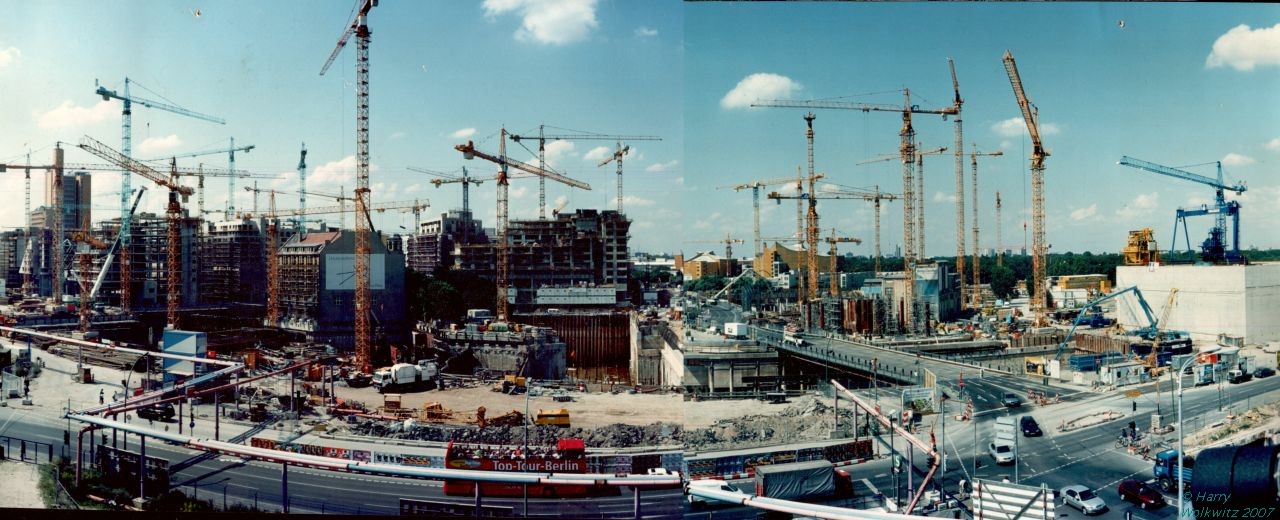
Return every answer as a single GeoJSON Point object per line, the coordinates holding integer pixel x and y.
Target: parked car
{"type": "Point", "coordinates": [1011, 400]}
{"type": "Point", "coordinates": [1262, 372]}
{"type": "Point", "coordinates": [1029, 427]}
{"type": "Point", "coordinates": [719, 485]}
{"type": "Point", "coordinates": [1003, 453]}
{"type": "Point", "coordinates": [1082, 498]}
{"type": "Point", "coordinates": [1140, 493]}
{"type": "Point", "coordinates": [157, 412]}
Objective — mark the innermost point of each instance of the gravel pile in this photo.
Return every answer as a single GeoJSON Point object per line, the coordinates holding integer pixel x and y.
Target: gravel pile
{"type": "Point", "coordinates": [809, 421]}
{"type": "Point", "coordinates": [611, 436]}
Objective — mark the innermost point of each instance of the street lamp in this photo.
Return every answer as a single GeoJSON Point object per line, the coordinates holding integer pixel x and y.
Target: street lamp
{"type": "Point", "coordinates": [1181, 452]}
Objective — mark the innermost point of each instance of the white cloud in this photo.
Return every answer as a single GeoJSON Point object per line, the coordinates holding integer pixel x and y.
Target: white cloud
{"type": "Point", "coordinates": [1235, 159]}
{"type": "Point", "coordinates": [463, 133]}
{"type": "Point", "coordinates": [158, 145]}
{"type": "Point", "coordinates": [335, 176]}
{"type": "Point", "coordinates": [645, 32]}
{"type": "Point", "coordinates": [1017, 127]}
{"type": "Point", "coordinates": [597, 154]}
{"type": "Point", "coordinates": [557, 151]}
{"type": "Point", "coordinates": [943, 197]}
{"type": "Point", "coordinates": [761, 85]}
{"type": "Point", "coordinates": [519, 192]}
{"type": "Point", "coordinates": [1141, 205]}
{"type": "Point", "coordinates": [561, 200]}
{"type": "Point", "coordinates": [413, 188]}
{"type": "Point", "coordinates": [680, 180]}
{"type": "Point", "coordinates": [398, 135]}
{"type": "Point", "coordinates": [69, 114]}
{"type": "Point", "coordinates": [1243, 48]}
{"type": "Point", "coordinates": [1085, 213]}
{"type": "Point", "coordinates": [633, 201]}
{"type": "Point", "coordinates": [554, 22]}
{"type": "Point", "coordinates": [1273, 144]}
{"type": "Point", "coordinates": [662, 167]}
{"type": "Point", "coordinates": [10, 55]}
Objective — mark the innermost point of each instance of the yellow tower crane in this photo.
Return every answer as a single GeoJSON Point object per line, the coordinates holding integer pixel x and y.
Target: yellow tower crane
{"type": "Point", "coordinates": [919, 191]}
{"type": "Point", "coordinates": [1039, 248]}
{"type": "Point", "coordinates": [755, 201]}
{"type": "Point", "coordinates": [976, 298]}
{"type": "Point", "coordinates": [833, 240]}
{"type": "Point", "coordinates": [728, 242]}
{"type": "Point", "coordinates": [469, 151]}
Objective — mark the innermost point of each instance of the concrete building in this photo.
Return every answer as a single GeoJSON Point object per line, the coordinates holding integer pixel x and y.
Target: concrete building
{"type": "Point", "coordinates": [13, 247]}
{"type": "Point", "coordinates": [77, 198]}
{"type": "Point", "coordinates": [233, 263]}
{"type": "Point", "coordinates": [583, 247]}
{"type": "Point", "coordinates": [937, 288]}
{"type": "Point", "coordinates": [1237, 300]}
{"type": "Point", "coordinates": [433, 245]}
{"type": "Point", "coordinates": [317, 289]}
{"type": "Point", "coordinates": [705, 264]}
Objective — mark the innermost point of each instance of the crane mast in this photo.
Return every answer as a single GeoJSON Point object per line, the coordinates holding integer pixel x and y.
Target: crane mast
{"type": "Point", "coordinates": [755, 201]}
{"type": "Point", "coordinates": [811, 231]}
{"type": "Point", "coordinates": [908, 150]}
{"type": "Point", "coordinates": [999, 236]}
{"type": "Point", "coordinates": [1039, 249]}
{"type": "Point", "coordinates": [617, 156]}
{"type": "Point", "coordinates": [302, 186]}
{"type": "Point", "coordinates": [833, 240]}
{"type": "Point", "coordinates": [958, 103]}
{"type": "Point", "coordinates": [360, 27]}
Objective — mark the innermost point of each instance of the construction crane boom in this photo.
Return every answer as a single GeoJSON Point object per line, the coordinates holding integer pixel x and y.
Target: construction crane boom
{"type": "Point", "coordinates": [231, 165]}
{"type": "Point", "coordinates": [363, 301]}
{"type": "Point", "coordinates": [469, 151]}
{"type": "Point", "coordinates": [115, 247]}
{"type": "Point", "coordinates": [728, 242]}
{"type": "Point", "coordinates": [1214, 248]}
{"type": "Point", "coordinates": [875, 196]}
{"type": "Point", "coordinates": [1039, 249]}
{"type": "Point", "coordinates": [466, 180]}
{"type": "Point", "coordinates": [755, 201]}
{"type": "Point", "coordinates": [130, 164]}
{"type": "Point", "coordinates": [542, 138]}
{"type": "Point", "coordinates": [919, 189]}
{"type": "Point", "coordinates": [126, 149]}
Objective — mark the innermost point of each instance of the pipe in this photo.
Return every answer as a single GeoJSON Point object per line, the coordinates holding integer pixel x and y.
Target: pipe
{"type": "Point", "coordinates": [934, 457]}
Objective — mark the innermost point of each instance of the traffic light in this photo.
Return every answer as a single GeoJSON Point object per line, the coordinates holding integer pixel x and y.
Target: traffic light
{"type": "Point", "coordinates": [66, 437]}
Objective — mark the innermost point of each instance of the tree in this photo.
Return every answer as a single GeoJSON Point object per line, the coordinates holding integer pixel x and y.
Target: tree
{"type": "Point", "coordinates": [1002, 281]}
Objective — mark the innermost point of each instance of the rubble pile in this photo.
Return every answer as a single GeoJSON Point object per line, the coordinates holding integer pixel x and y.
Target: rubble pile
{"type": "Point", "coordinates": [809, 421]}
{"type": "Point", "coordinates": [611, 436]}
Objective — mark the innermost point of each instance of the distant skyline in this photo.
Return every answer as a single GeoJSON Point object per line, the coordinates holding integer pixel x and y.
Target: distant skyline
{"type": "Point", "coordinates": [1171, 84]}
{"type": "Point", "coordinates": [441, 73]}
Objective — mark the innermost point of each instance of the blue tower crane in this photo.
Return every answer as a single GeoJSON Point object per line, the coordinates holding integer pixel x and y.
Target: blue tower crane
{"type": "Point", "coordinates": [1213, 249]}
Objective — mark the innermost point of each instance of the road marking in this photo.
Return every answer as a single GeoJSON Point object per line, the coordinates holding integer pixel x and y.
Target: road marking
{"type": "Point", "coordinates": [871, 486]}
{"type": "Point", "coordinates": [878, 475]}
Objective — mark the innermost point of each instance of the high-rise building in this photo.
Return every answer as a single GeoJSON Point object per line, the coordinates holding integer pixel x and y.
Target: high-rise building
{"type": "Point", "coordinates": [433, 245]}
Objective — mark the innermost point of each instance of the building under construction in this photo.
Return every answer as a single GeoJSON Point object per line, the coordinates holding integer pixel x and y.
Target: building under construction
{"type": "Point", "coordinates": [317, 289]}
{"type": "Point", "coordinates": [584, 247]}
{"type": "Point", "coordinates": [233, 264]}
{"type": "Point", "coordinates": [535, 352]}
{"type": "Point", "coordinates": [433, 245]}
{"type": "Point", "coordinates": [937, 291]}
{"type": "Point", "coordinates": [149, 261]}
{"type": "Point", "coordinates": [598, 341]}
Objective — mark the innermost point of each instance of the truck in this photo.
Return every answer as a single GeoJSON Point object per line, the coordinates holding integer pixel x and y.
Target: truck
{"type": "Point", "coordinates": [735, 330]}
{"type": "Point", "coordinates": [802, 480]}
{"type": "Point", "coordinates": [1165, 470]}
{"type": "Point", "coordinates": [1242, 372]}
{"type": "Point", "coordinates": [1204, 374]}
{"type": "Point", "coordinates": [399, 376]}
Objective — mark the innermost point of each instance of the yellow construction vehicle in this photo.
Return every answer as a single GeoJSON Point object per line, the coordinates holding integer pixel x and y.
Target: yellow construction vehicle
{"type": "Point", "coordinates": [558, 417]}
{"type": "Point", "coordinates": [511, 385]}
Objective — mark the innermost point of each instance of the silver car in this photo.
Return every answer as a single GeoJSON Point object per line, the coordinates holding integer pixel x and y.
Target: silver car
{"type": "Point", "coordinates": [1082, 498]}
{"type": "Point", "coordinates": [1003, 453]}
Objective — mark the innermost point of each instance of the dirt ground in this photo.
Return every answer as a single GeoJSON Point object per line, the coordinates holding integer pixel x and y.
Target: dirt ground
{"type": "Point", "coordinates": [22, 485]}
{"type": "Point", "coordinates": [587, 410]}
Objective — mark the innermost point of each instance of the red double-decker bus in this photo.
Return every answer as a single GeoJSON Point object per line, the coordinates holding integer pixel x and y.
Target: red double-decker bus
{"type": "Point", "coordinates": [568, 456]}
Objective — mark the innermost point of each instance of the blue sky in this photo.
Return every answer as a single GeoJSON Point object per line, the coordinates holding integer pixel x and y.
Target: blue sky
{"type": "Point", "coordinates": [1175, 85]}
{"type": "Point", "coordinates": [441, 72]}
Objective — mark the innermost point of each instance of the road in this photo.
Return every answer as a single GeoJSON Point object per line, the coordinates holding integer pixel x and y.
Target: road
{"type": "Point", "coordinates": [232, 480]}
{"type": "Point", "coordinates": [1086, 456]}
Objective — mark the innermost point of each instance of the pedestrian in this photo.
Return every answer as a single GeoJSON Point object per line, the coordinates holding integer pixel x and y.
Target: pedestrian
{"type": "Point", "coordinates": [102, 396]}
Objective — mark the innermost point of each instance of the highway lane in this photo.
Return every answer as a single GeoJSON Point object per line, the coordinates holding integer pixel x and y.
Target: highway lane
{"type": "Point", "coordinates": [313, 490]}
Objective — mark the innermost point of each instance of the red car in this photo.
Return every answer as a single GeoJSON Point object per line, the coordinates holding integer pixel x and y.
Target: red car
{"type": "Point", "coordinates": [1141, 494]}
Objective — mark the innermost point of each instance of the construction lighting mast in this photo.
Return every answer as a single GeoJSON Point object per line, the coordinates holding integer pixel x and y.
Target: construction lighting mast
{"type": "Point", "coordinates": [833, 240]}
{"type": "Point", "coordinates": [469, 151]}
{"type": "Point", "coordinates": [173, 212]}
{"type": "Point", "coordinates": [755, 201]}
{"type": "Point", "coordinates": [359, 26]}
{"type": "Point", "coordinates": [907, 151]}
{"type": "Point", "coordinates": [126, 149]}
{"type": "Point", "coordinates": [542, 138]}
{"type": "Point", "coordinates": [1039, 249]}
{"type": "Point", "coordinates": [976, 298]}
